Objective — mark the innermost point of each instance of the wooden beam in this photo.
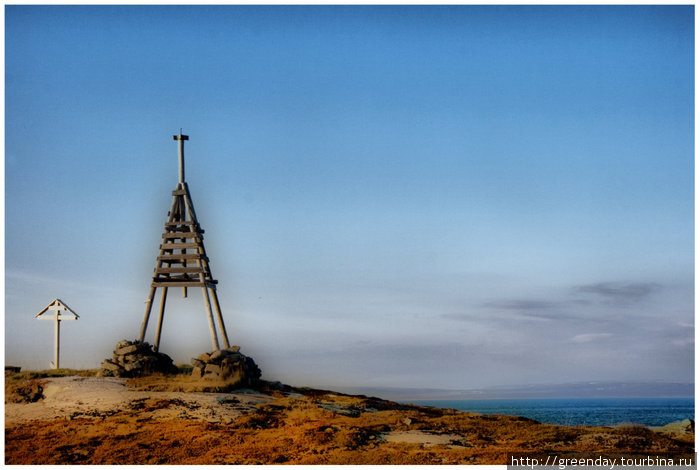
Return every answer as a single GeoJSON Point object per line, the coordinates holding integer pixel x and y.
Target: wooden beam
{"type": "Point", "coordinates": [182, 235]}
{"type": "Point", "coordinates": [185, 269]}
{"type": "Point", "coordinates": [210, 318]}
{"type": "Point", "coordinates": [144, 324]}
{"type": "Point", "coordinates": [180, 284]}
{"type": "Point", "coordinates": [184, 278]}
{"type": "Point", "coordinates": [171, 223]}
{"type": "Point", "coordinates": [178, 246]}
{"type": "Point", "coordinates": [160, 319]}
{"type": "Point", "coordinates": [217, 308]}
{"type": "Point", "coordinates": [182, 256]}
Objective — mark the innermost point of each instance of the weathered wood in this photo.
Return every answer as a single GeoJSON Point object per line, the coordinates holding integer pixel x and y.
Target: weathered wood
{"type": "Point", "coordinates": [185, 269]}
{"type": "Point", "coordinates": [55, 306]}
{"type": "Point", "coordinates": [181, 256]}
{"type": "Point", "coordinates": [178, 284]}
{"type": "Point", "coordinates": [65, 317]}
{"type": "Point", "coordinates": [219, 317]}
{"type": "Point", "coordinates": [182, 228]}
{"type": "Point", "coordinates": [178, 246]}
{"type": "Point", "coordinates": [181, 154]}
{"type": "Point", "coordinates": [144, 323]}
{"type": "Point", "coordinates": [181, 277]}
{"type": "Point", "coordinates": [156, 345]}
{"type": "Point", "coordinates": [59, 311]}
{"type": "Point", "coordinates": [57, 347]}
{"type": "Point", "coordinates": [172, 223]}
{"type": "Point", "coordinates": [210, 318]}
{"type": "Point", "coordinates": [195, 235]}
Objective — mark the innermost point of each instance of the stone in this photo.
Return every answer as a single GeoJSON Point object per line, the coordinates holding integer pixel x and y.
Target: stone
{"type": "Point", "coordinates": [227, 368]}
{"type": "Point", "coordinates": [126, 350]}
{"type": "Point", "coordinates": [233, 349]}
{"type": "Point", "coordinates": [204, 357]}
{"type": "Point", "coordinates": [123, 343]}
{"type": "Point", "coordinates": [197, 372]}
{"type": "Point", "coordinates": [198, 363]}
{"type": "Point", "coordinates": [216, 355]}
{"type": "Point", "coordinates": [109, 365]}
{"type": "Point", "coordinates": [212, 369]}
{"type": "Point", "coordinates": [133, 366]}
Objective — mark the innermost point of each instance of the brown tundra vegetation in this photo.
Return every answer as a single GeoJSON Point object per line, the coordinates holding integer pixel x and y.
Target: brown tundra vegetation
{"type": "Point", "coordinates": [176, 420]}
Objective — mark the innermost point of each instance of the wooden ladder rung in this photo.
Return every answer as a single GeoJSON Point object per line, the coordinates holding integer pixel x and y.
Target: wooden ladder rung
{"type": "Point", "coordinates": [182, 234]}
{"type": "Point", "coordinates": [180, 222]}
{"type": "Point", "coordinates": [185, 269]}
{"type": "Point", "coordinates": [178, 284]}
{"type": "Point", "coordinates": [183, 256]}
{"type": "Point", "coordinates": [178, 246]}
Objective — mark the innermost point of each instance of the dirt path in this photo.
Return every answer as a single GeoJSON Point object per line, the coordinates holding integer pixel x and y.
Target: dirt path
{"type": "Point", "coordinates": [74, 397]}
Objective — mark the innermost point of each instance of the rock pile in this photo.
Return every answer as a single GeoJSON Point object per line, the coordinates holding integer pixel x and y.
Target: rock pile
{"type": "Point", "coordinates": [228, 365]}
{"type": "Point", "coordinates": [134, 359]}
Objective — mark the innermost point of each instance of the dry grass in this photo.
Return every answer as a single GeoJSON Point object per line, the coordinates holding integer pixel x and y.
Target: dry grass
{"type": "Point", "coordinates": [315, 428]}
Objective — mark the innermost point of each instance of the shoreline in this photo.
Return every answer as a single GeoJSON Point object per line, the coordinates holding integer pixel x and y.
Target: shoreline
{"type": "Point", "coordinates": [582, 411]}
{"type": "Point", "coordinates": [91, 420]}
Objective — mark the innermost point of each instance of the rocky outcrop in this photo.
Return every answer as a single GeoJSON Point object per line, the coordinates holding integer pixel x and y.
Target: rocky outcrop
{"type": "Point", "coordinates": [228, 365]}
{"type": "Point", "coordinates": [134, 359]}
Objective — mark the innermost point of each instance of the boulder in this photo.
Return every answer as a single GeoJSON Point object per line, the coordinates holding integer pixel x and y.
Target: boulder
{"type": "Point", "coordinates": [198, 363]}
{"type": "Point", "coordinates": [204, 357]}
{"type": "Point", "coordinates": [126, 350]}
{"type": "Point", "coordinates": [218, 354]}
{"type": "Point", "coordinates": [109, 365]}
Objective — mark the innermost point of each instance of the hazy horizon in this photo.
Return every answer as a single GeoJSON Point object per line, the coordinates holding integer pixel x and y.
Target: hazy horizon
{"type": "Point", "coordinates": [393, 196]}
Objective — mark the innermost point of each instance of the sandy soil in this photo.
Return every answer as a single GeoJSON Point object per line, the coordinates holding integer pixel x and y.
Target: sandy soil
{"type": "Point", "coordinates": [74, 397]}
{"type": "Point", "coordinates": [425, 438]}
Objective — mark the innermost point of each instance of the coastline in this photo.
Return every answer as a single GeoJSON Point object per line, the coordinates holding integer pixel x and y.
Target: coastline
{"type": "Point", "coordinates": [109, 421]}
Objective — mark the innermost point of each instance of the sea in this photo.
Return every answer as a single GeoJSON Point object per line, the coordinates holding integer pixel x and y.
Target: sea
{"type": "Point", "coordinates": [581, 411]}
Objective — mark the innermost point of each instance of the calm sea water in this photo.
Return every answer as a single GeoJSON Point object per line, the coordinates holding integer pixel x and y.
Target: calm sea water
{"type": "Point", "coordinates": [584, 411]}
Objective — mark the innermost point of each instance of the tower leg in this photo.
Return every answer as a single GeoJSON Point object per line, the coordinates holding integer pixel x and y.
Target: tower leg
{"type": "Point", "coordinates": [217, 308]}
{"type": "Point", "coordinates": [160, 318]}
{"type": "Point", "coordinates": [56, 347]}
{"type": "Point", "coordinates": [210, 317]}
{"type": "Point", "coordinates": [144, 324]}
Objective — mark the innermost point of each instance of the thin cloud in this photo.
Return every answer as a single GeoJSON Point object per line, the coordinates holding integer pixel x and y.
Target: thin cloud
{"type": "Point", "coordinates": [521, 304]}
{"type": "Point", "coordinates": [589, 337]}
{"type": "Point", "coordinates": [533, 309]}
{"type": "Point", "coordinates": [619, 292]}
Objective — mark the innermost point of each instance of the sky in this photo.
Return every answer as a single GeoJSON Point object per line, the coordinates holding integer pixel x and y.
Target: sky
{"type": "Point", "coordinates": [445, 197]}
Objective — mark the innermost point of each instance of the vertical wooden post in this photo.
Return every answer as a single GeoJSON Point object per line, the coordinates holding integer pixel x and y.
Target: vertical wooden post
{"type": "Point", "coordinates": [144, 324]}
{"type": "Point", "coordinates": [217, 308]}
{"type": "Point", "coordinates": [181, 153]}
{"type": "Point", "coordinates": [160, 318]}
{"type": "Point", "coordinates": [210, 317]}
{"type": "Point", "coordinates": [56, 347]}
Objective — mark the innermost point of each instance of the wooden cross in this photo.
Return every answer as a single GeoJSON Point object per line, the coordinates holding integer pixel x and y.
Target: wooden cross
{"type": "Point", "coordinates": [57, 306]}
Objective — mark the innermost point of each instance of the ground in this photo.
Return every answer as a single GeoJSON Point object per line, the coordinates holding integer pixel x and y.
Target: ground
{"type": "Point", "coordinates": [174, 420]}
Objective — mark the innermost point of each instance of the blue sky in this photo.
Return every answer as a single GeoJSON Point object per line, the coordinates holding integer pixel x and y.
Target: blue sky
{"type": "Point", "coordinates": [450, 197]}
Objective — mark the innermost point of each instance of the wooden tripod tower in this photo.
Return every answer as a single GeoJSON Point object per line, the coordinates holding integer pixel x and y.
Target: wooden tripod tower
{"type": "Point", "coordinates": [182, 260]}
